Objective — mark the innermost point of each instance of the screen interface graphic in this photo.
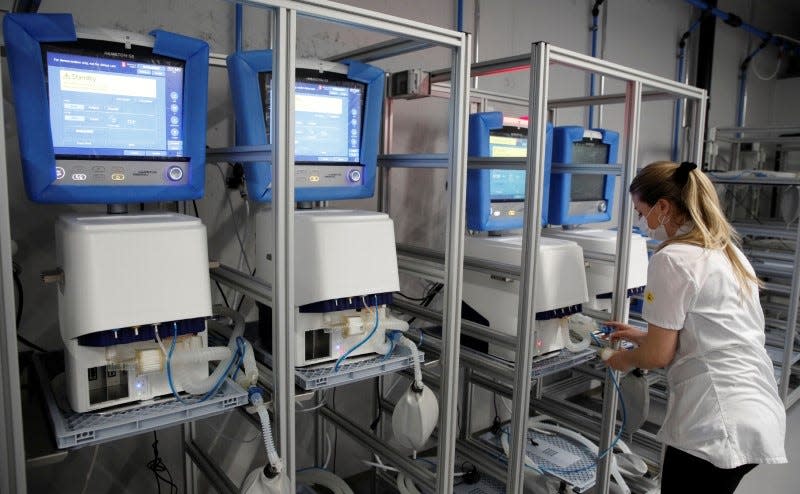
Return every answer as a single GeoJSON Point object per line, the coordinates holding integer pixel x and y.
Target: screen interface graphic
{"type": "Point", "coordinates": [328, 118]}
{"type": "Point", "coordinates": [113, 108]}
{"type": "Point", "coordinates": [507, 184]}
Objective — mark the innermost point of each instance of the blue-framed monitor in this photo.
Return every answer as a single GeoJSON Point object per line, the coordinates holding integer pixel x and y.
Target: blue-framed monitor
{"type": "Point", "coordinates": [105, 116]}
{"type": "Point", "coordinates": [575, 198]}
{"type": "Point", "coordinates": [495, 198]}
{"type": "Point", "coordinates": [337, 125]}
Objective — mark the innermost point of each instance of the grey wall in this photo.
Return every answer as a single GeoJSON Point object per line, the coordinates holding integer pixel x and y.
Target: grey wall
{"type": "Point", "coordinates": [639, 33]}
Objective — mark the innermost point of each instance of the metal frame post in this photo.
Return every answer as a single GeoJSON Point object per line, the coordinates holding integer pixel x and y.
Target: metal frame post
{"type": "Point", "coordinates": [526, 318]}
{"type": "Point", "coordinates": [466, 404]}
{"type": "Point", "coordinates": [188, 434]}
{"type": "Point", "coordinates": [283, 317]}
{"type": "Point", "coordinates": [454, 262]}
{"type": "Point", "coordinates": [791, 327]}
{"type": "Point", "coordinates": [12, 441]}
{"type": "Point", "coordinates": [633, 100]}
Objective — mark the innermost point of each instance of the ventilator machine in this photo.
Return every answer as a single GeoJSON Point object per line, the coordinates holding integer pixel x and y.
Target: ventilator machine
{"type": "Point", "coordinates": [122, 121]}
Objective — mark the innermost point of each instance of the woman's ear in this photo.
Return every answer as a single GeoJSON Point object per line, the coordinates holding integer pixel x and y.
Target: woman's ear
{"type": "Point", "coordinates": [663, 206]}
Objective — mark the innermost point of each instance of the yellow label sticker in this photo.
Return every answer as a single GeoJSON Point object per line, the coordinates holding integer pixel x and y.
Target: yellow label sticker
{"type": "Point", "coordinates": [649, 297]}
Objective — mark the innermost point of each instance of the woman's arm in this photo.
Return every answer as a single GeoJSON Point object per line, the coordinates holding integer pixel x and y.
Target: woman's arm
{"type": "Point", "coordinates": [625, 332]}
{"type": "Point", "coordinates": [656, 349]}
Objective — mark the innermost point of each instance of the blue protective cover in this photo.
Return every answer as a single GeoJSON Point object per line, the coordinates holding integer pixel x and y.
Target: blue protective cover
{"type": "Point", "coordinates": [23, 34]}
{"type": "Point", "coordinates": [479, 201]}
{"type": "Point", "coordinates": [561, 183]}
{"type": "Point", "coordinates": [243, 70]}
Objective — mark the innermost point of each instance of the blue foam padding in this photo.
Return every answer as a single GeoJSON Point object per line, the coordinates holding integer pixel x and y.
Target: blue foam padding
{"type": "Point", "coordinates": [23, 34]}
{"type": "Point", "coordinates": [559, 313]}
{"type": "Point", "coordinates": [479, 217]}
{"type": "Point", "coordinates": [243, 71]}
{"type": "Point", "coordinates": [347, 303]}
{"type": "Point", "coordinates": [561, 183]}
{"type": "Point", "coordinates": [144, 333]}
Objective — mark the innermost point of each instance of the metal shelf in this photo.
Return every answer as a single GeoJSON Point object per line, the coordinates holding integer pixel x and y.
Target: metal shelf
{"type": "Point", "coordinates": [736, 135]}
{"type": "Point", "coordinates": [770, 230]}
{"type": "Point", "coordinates": [780, 266]}
{"type": "Point", "coordinates": [486, 163]}
{"type": "Point", "coordinates": [82, 429]}
{"type": "Point", "coordinates": [752, 179]}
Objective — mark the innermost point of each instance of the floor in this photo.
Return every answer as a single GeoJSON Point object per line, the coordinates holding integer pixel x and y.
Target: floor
{"type": "Point", "coordinates": [778, 479]}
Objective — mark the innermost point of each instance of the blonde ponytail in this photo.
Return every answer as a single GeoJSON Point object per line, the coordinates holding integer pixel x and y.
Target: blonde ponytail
{"type": "Point", "coordinates": [696, 200]}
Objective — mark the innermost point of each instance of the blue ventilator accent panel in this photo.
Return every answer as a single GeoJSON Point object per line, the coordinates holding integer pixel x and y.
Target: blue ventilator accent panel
{"type": "Point", "coordinates": [102, 122]}
{"type": "Point", "coordinates": [337, 126]}
{"type": "Point", "coordinates": [577, 199]}
{"type": "Point", "coordinates": [495, 198]}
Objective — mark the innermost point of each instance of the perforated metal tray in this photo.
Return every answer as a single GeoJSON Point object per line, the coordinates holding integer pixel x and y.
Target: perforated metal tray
{"type": "Point", "coordinates": [82, 429]}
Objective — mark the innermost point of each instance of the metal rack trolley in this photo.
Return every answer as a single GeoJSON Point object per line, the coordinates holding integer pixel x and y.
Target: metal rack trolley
{"type": "Point", "coordinates": [412, 36]}
{"type": "Point", "coordinates": [787, 137]}
{"type": "Point", "coordinates": [415, 35]}
{"type": "Point", "coordinates": [542, 56]}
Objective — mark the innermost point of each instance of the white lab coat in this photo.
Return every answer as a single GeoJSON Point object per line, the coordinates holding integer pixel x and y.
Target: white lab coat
{"type": "Point", "coordinates": [723, 400]}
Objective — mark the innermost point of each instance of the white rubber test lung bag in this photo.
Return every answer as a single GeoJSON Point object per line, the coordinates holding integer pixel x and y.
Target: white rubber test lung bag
{"type": "Point", "coordinates": [415, 417]}
{"type": "Point", "coordinates": [258, 483]}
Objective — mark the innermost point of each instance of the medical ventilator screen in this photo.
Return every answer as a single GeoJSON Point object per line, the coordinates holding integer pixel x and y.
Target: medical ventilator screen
{"type": "Point", "coordinates": [588, 187]}
{"type": "Point", "coordinates": [507, 184]}
{"type": "Point", "coordinates": [328, 117]}
{"type": "Point", "coordinates": [114, 108]}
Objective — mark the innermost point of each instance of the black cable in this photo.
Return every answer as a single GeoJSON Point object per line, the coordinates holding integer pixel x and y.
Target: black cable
{"type": "Point", "coordinates": [224, 298]}
{"type": "Point", "coordinates": [157, 466]}
{"type": "Point", "coordinates": [30, 344]}
{"type": "Point", "coordinates": [374, 425]}
{"type": "Point", "coordinates": [415, 299]}
{"type": "Point", "coordinates": [335, 430]}
{"type": "Point", "coordinates": [194, 203]}
{"type": "Point", "coordinates": [20, 296]}
{"type": "Point", "coordinates": [18, 315]}
{"type": "Point", "coordinates": [428, 297]}
{"type": "Point", "coordinates": [241, 300]}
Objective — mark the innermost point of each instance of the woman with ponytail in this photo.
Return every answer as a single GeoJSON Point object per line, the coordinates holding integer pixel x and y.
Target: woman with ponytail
{"type": "Point", "coordinates": [706, 326]}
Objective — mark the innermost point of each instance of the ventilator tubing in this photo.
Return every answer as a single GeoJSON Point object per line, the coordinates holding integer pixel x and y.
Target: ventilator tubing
{"type": "Point", "coordinates": [225, 354]}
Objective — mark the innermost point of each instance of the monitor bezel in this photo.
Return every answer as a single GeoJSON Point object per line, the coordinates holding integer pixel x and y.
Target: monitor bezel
{"type": "Point", "coordinates": [23, 34]}
{"type": "Point", "coordinates": [243, 69]}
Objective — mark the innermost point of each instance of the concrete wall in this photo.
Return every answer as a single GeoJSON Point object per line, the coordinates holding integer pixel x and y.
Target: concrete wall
{"type": "Point", "coordinates": [639, 33]}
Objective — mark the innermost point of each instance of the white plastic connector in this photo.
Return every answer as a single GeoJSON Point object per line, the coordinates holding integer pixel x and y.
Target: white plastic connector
{"type": "Point", "coordinates": [151, 360]}
{"type": "Point", "coordinates": [606, 353]}
{"type": "Point", "coordinates": [355, 325]}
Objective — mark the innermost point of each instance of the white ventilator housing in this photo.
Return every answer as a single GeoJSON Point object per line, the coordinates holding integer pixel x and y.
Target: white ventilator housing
{"type": "Point", "coordinates": [600, 273]}
{"type": "Point", "coordinates": [560, 284]}
{"type": "Point", "coordinates": [131, 272]}
{"type": "Point", "coordinates": [340, 256]}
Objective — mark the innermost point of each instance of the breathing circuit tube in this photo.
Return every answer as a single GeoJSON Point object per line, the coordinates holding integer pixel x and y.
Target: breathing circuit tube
{"type": "Point", "coordinates": [266, 429]}
{"type": "Point", "coordinates": [225, 354]}
{"type": "Point", "coordinates": [323, 478]}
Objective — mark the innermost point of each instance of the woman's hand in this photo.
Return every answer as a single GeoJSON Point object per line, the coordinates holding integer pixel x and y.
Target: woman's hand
{"type": "Point", "coordinates": [619, 361]}
{"type": "Point", "coordinates": [626, 332]}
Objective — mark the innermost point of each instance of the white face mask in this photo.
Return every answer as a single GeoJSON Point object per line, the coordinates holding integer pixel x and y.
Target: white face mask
{"type": "Point", "coordinates": [658, 233]}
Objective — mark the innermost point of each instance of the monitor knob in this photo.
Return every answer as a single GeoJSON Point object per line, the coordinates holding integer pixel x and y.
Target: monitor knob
{"type": "Point", "coordinates": [354, 176]}
{"type": "Point", "coordinates": [175, 173]}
